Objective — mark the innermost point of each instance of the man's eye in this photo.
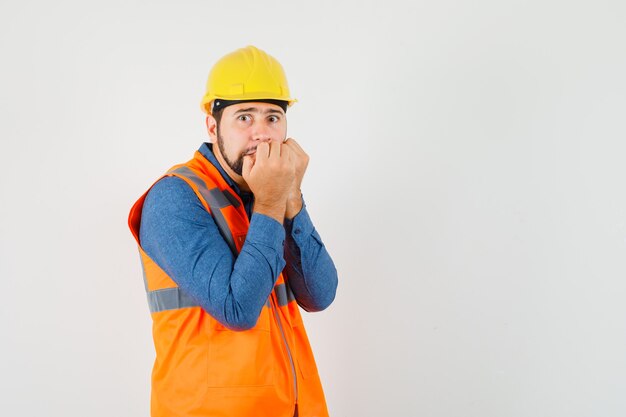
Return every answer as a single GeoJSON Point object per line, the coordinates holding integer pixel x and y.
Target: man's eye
{"type": "Point", "coordinates": [273, 119]}
{"type": "Point", "coordinates": [244, 117]}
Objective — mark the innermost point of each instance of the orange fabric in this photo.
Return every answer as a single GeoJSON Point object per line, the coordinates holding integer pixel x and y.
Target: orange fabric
{"type": "Point", "coordinates": [204, 369]}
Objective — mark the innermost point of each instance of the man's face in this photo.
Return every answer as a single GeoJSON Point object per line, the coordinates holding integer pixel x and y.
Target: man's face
{"type": "Point", "coordinates": [243, 126]}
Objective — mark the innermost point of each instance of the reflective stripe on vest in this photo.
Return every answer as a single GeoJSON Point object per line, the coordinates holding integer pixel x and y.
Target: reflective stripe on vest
{"type": "Point", "coordinates": [284, 294]}
{"type": "Point", "coordinates": [216, 201]}
{"type": "Point", "coordinates": [166, 298]}
{"type": "Point", "coordinates": [169, 299]}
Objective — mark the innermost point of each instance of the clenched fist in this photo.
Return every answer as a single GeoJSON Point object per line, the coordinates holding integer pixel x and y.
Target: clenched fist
{"type": "Point", "coordinates": [270, 175]}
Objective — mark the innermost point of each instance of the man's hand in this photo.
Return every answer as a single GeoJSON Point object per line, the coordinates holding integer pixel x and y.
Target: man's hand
{"type": "Point", "coordinates": [301, 159]}
{"type": "Point", "coordinates": [270, 178]}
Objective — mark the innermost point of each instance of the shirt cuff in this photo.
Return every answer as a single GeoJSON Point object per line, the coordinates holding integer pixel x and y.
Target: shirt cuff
{"type": "Point", "coordinates": [266, 231]}
{"type": "Point", "coordinates": [301, 227]}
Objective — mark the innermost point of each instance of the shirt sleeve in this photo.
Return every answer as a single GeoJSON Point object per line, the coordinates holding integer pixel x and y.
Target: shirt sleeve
{"type": "Point", "coordinates": [310, 270]}
{"type": "Point", "coordinates": [183, 239]}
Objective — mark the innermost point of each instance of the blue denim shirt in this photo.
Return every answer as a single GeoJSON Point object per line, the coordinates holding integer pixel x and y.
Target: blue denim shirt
{"type": "Point", "coordinates": [183, 239]}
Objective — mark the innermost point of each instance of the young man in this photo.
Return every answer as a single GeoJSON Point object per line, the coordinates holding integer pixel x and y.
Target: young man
{"type": "Point", "coordinates": [229, 253]}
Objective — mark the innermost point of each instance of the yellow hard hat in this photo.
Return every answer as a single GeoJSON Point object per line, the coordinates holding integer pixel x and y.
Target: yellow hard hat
{"type": "Point", "coordinates": [246, 74]}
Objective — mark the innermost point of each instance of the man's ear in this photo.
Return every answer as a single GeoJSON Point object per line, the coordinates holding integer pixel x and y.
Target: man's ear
{"type": "Point", "coordinates": [211, 127]}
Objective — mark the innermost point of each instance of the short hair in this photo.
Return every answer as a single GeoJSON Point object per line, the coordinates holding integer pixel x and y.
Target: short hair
{"type": "Point", "coordinates": [217, 115]}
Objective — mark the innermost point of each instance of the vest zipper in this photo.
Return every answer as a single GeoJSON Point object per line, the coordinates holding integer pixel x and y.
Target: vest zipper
{"type": "Point", "coordinates": [282, 333]}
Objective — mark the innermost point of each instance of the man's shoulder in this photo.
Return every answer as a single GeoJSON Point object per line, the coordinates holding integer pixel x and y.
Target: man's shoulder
{"type": "Point", "coordinates": [170, 206]}
{"type": "Point", "coordinates": [167, 186]}
{"type": "Point", "coordinates": [169, 192]}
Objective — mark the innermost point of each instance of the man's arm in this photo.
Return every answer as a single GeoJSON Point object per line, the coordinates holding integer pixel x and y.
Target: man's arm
{"type": "Point", "coordinates": [183, 239]}
{"type": "Point", "coordinates": [310, 270]}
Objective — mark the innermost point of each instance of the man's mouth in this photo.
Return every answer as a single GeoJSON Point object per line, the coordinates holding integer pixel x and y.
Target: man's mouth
{"type": "Point", "coordinates": [250, 152]}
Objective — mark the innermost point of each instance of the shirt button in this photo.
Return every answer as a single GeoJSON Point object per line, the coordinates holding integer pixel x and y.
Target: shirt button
{"type": "Point", "coordinates": [297, 231]}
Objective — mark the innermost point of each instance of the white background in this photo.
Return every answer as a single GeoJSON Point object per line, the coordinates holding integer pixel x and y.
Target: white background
{"type": "Point", "coordinates": [467, 175]}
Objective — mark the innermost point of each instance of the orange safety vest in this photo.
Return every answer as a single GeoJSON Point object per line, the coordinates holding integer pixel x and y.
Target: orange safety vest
{"type": "Point", "coordinates": [201, 367]}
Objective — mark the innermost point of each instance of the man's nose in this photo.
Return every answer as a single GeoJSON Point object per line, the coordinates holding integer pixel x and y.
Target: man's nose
{"type": "Point", "coordinates": [261, 133]}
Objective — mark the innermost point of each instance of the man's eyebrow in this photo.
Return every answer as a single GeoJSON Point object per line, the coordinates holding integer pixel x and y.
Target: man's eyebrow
{"type": "Point", "coordinates": [256, 110]}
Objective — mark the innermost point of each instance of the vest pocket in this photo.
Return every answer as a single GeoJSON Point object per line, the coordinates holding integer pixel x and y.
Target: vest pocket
{"type": "Point", "coordinates": [241, 359]}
